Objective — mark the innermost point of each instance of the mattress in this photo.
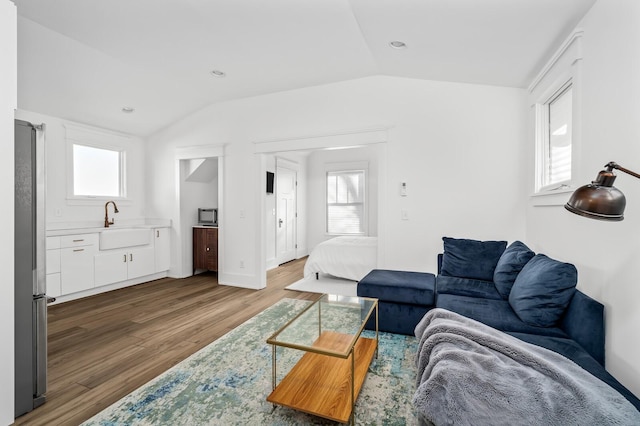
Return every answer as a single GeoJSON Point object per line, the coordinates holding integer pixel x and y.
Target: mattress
{"type": "Point", "coordinates": [345, 257]}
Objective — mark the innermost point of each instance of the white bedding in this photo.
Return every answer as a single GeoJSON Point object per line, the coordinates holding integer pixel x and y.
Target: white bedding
{"type": "Point", "coordinates": [344, 257]}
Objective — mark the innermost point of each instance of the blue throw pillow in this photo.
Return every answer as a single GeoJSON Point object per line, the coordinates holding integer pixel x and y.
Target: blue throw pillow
{"type": "Point", "coordinates": [470, 258]}
{"type": "Point", "coordinates": [509, 266]}
{"type": "Point", "coordinates": [542, 291]}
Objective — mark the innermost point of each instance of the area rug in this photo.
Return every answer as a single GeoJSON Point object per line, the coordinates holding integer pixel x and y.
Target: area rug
{"type": "Point", "coordinates": [326, 284]}
{"type": "Point", "coordinates": [227, 382]}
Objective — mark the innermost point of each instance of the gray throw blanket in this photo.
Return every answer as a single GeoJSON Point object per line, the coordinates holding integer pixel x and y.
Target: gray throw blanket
{"type": "Point", "coordinates": [472, 374]}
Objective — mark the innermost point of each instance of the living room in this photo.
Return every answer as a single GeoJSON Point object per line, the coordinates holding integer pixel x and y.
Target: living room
{"type": "Point", "coordinates": [467, 153]}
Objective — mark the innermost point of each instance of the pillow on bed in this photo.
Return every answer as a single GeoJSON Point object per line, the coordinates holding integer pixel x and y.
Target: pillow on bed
{"type": "Point", "coordinates": [542, 291]}
{"type": "Point", "coordinates": [471, 258]}
{"type": "Point", "coordinates": [509, 266]}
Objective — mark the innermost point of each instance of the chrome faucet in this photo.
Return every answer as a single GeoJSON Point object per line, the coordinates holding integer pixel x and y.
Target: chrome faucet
{"type": "Point", "coordinates": [106, 213]}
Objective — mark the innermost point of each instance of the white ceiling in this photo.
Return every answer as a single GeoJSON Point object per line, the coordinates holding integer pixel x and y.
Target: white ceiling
{"type": "Point", "coordinates": [85, 60]}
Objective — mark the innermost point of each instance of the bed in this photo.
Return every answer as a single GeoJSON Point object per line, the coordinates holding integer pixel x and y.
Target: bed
{"type": "Point", "coordinates": [343, 257]}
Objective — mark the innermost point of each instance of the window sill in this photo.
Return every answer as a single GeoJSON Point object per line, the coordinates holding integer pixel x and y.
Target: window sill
{"type": "Point", "coordinates": [558, 197]}
{"type": "Point", "coordinates": [327, 234]}
{"type": "Point", "coordinates": [95, 201]}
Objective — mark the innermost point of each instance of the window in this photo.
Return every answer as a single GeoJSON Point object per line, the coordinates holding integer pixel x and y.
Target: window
{"type": "Point", "coordinates": [346, 202]}
{"type": "Point", "coordinates": [555, 140]}
{"type": "Point", "coordinates": [97, 172]}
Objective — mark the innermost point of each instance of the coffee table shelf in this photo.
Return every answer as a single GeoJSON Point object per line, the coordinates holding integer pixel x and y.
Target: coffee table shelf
{"type": "Point", "coordinates": [321, 384]}
{"type": "Point", "coordinates": [328, 377]}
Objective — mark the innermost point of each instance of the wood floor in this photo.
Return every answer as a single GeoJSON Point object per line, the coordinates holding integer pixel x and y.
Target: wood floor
{"type": "Point", "coordinates": [103, 347]}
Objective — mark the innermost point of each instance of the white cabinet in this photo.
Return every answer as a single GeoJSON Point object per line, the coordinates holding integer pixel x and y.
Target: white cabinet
{"type": "Point", "coordinates": [76, 262]}
{"type": "Point", "coordinates": [110, 267]}
{"type": "Point", "coordinates": [113, 266]}
{"type": "Point", "coordinates": [141, 262]}
{"type": "Point", "coordinates": [163, 249]}
{"type": "Point", "coordinates": [54, 288]}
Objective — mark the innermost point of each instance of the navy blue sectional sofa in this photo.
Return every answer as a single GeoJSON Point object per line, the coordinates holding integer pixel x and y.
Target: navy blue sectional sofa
{"type": "Point", "coordinates": [527, 295]}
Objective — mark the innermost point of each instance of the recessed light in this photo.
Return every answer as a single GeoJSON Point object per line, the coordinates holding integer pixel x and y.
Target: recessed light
{"type": "Point", "coordinates": [396, 44]}
{"type": "Point", "coordinates": [128, 110]}
{"type": "Point", "coordinates": [218, 73]}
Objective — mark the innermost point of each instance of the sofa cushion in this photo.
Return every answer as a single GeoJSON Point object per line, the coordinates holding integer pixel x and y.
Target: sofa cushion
{"type": "Point", "coordinates": [509, 266]}
{"type": "Point", "coordinates": [466, 287]}
{"type": "Point", "coordinates": [496, 313]}
{"type": "Point", "coordinates": [542, 291]}
{"type": "Point", "coordinates": [471, 258]}
{"type": "Point", "coordinates": [416, 288]}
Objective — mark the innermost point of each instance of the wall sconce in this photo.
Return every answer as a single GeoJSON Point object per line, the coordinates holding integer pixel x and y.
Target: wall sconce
{"type": "Point", "coordinates": [600, 199]}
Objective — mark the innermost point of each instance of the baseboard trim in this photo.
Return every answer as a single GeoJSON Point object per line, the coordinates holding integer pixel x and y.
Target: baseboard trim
{"type": "Point", "coordinates": [108, 287]}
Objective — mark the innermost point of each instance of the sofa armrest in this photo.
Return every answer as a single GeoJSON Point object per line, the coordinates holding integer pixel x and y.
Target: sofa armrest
{"type": "Point", "coordinates": [583, 321]}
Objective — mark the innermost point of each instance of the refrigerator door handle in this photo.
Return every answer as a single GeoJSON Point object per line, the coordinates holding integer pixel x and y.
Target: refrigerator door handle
{"type": "Point", "coordinates": [40, 341]}
{"type": "Point", "coordinates": [38, 137]}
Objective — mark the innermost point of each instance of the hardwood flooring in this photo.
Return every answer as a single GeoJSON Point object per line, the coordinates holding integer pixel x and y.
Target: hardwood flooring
{"type": "Point", "coordinates": [103, 347]}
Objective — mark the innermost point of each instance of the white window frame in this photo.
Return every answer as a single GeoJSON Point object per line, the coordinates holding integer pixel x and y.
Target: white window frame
{"type": "Point", "coordinates": [543, 139]}
{"type": "Point", "coordinates": [564, 66]}
{"type": "Point", "coordinates": [346, 168]}
{"type": "Point", "coordinates": [100, 140]}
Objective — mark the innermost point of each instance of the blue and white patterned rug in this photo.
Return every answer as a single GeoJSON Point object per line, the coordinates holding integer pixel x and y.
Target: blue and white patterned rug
{"type": "Point", "coordinates": [227, 382]}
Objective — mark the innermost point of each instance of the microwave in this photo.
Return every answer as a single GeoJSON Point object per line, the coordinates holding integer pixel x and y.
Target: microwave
{"type": "Point", "coordinates": [208, 217]}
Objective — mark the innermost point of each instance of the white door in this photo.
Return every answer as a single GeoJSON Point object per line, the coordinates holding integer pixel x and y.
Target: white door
{"type": "Point", "coordinates": [285, 214]}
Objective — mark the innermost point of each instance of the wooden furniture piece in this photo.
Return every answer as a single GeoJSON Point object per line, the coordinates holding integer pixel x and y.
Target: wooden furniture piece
{"type": "Point", "coordinates": [205, 248]}
{"type": "Point", "coordinates": [327, 379]}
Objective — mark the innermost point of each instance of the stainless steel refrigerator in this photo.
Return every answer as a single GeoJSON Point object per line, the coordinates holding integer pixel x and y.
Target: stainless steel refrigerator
{"type": "Point", "coordinates": [29, 278]}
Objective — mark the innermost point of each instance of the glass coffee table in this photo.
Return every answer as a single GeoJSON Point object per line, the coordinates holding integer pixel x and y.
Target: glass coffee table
{"type": "Point", "coordinates": [327, 379]}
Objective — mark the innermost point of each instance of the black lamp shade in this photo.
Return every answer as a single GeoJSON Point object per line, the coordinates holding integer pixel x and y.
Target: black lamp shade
{"type": "Point", "coordinates": [599, 200]}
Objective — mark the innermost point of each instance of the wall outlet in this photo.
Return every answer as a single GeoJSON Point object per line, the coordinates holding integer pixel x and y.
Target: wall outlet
{"type": "Point", "coordinates": [242, 263]}
{"type": "Point", "coordinates": [404, 214]}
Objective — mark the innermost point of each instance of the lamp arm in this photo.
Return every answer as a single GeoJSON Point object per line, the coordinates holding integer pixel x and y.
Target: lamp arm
{"type": "Point", "coordinates": [613, 165]}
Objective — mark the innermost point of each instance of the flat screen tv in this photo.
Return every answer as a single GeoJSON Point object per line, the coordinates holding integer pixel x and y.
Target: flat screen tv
{"type": "Point", "coordinates": [270, 177]}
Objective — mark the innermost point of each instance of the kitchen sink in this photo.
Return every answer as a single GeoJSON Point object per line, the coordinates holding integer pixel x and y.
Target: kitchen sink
{"type": "Point", "coordinates": [125, 237]}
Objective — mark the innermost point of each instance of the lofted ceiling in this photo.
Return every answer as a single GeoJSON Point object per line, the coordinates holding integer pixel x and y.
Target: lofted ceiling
{"type": "Point", "coordinates": [86, 60]}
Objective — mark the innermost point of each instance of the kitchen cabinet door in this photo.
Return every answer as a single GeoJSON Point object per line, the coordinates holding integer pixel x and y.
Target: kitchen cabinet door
{"type": "Point", "coordinates": [141, 261]}
{"type": "Point", "coordinates": [76, 269]}
{"type": "Point", "coordinates": [163, 249]}
{"type": "Point", "coordinates": [110, 267]}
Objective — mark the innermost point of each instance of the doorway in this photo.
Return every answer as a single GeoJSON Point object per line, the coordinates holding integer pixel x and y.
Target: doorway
{"type": "Point", "coordinates": [199, 179]}
{"type": "Point", "coordinates": [269, 150]}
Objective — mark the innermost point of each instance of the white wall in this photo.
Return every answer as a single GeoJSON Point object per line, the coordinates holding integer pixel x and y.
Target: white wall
{"type": "Point", "coordinates": [606, 254]}
{"type": "Point", "coordinates": [61, 212]}
{"type": "Point", "coordinates": [317, 189]}
{"type": "Point", "coordinates": [460, 147]}
{"type": "Point", "coordinates": [8, 103]}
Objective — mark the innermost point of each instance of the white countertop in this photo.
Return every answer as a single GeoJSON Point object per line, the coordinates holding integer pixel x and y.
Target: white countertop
{"type": "Point", "coordinates": [70, 229]}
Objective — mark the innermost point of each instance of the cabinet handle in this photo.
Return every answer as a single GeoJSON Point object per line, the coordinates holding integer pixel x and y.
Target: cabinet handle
{"type": "Point", "coordinates": [157, 234]}
{"type": "Point", "coordinates": [78, 241]}
{"type": "Point", "coordinates": [207, 248]}
{"type": "Point", "coordinates": [78, 250]}
{"type": "Point", "coordinates": [125, 258]}
{"type": "Point", "coordinates": [131, 256]}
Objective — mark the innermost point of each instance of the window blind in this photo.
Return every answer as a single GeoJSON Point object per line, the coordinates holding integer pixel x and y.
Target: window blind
{"type": "Point", "coordinates": [346, 202]}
